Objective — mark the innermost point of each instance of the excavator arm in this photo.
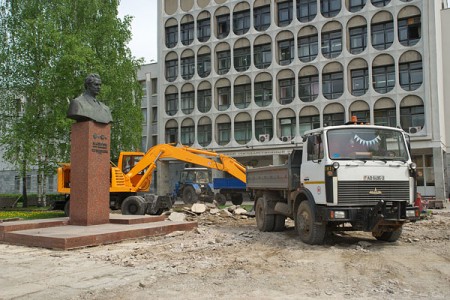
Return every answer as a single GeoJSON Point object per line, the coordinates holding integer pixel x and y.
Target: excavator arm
{"type": "Point", "coordinates": [204, 158]}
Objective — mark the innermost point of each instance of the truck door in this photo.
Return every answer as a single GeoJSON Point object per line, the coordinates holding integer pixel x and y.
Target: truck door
{"type": "Point", "coordinates": [312, 170]}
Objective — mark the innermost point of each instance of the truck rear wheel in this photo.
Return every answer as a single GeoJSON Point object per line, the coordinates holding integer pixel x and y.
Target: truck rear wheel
{"type": "Point", "coordinates": [279, 223]}
{"type": "Point", "coordinates": [264, 221]}
{"type": "Point", "coordinates": [189, 195]}
{"type": "Point", "coordinates": [309, 231]}
{"type": "Point", "coordinates": [133, 205]}
{"type": "Point", "coordinates": [389, 236]}
{"type": "Point", "coordinates": [221, 199]}
{"type": "Point", "coordinates": [237, 199]}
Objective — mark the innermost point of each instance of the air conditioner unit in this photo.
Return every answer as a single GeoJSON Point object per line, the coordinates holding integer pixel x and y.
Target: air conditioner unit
{"type": "Point", "coordinates": [264, 138]}
{"type": "Point", "coordinates": [415, 129]}
{"type": "Point", "coordinates": [286, 138]}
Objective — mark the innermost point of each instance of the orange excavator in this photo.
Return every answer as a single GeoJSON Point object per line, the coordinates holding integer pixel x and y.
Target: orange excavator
{"type": "Point", "coordinates": [132, 176]}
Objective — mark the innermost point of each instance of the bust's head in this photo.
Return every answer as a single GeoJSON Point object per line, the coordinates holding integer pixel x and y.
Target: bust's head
{"type": "Point", "coordinates": [93, 84]}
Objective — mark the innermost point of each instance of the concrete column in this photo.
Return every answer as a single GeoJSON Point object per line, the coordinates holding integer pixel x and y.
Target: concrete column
{"type": "Point", "coordinates": [163, 178]}
{"type": "Point", "coordinates": [439, 174]}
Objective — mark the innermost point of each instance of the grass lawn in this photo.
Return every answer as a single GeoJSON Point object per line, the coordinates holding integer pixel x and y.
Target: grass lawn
{"type": "Point", "coordinates": [30, 213]}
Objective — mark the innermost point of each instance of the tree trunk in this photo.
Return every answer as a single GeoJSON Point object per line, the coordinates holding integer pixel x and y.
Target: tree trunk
{"type": "Point", "coordinates": [24, 184]}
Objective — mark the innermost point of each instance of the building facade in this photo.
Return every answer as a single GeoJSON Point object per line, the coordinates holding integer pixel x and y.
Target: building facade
{"type": "Point", "coordinates": [248, 77]}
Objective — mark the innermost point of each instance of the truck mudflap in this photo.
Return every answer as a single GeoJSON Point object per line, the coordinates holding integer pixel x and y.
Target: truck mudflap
{"type": "Point", "coordinates": [384, 216]}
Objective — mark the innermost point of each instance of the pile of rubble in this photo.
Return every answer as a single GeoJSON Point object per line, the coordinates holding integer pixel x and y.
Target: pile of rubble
{"type": "Point", "coordinates": [203, 210]}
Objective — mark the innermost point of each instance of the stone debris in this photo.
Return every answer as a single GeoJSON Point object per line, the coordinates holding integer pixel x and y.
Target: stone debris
{"type": "Point", "coordinates": [198, 208]}
{"type": "Point", "coordinates": [177, 217]}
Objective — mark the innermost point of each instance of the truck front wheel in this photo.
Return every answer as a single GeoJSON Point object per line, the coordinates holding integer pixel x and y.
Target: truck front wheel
{"type": "Point", "coordinates": [309, 231]}
{"type": "Point", "coordinates": [133, 205]}
{"type": "Point", "coordinates": [389, 236]}
{"type": "Point", "coordinates": [264, 221]}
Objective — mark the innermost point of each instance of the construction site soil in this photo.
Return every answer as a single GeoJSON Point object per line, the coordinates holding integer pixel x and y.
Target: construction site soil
{"type": "Point", "coordinates": [226, 257]}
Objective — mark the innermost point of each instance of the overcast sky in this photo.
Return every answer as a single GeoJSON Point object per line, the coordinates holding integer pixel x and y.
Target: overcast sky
{"type": "Point", "coordinates": [144, 27]}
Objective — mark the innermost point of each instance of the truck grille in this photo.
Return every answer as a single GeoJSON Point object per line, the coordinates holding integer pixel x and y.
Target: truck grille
{"type": "Point", "coordinates": [370, 192]}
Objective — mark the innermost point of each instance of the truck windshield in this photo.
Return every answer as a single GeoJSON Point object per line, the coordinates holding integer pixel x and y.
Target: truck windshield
{"type": "Point", "coordinates": [366, 144]}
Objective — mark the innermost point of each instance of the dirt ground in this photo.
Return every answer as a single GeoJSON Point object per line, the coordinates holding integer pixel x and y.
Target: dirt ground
{"type": "Point", "coordinates": [228, 258]}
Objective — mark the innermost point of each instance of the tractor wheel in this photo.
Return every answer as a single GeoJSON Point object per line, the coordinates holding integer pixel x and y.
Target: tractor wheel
{"type": "Point", "coordinates": [189, 195]}
{"type": "Point", "coordinates": [237, 199]}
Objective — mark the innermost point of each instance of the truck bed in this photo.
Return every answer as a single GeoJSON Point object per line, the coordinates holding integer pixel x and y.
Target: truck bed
{"type": "Point", "coordinates": [280, 177]}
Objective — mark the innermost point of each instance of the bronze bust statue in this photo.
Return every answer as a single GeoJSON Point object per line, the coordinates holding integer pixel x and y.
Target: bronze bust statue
{"type": "Point", "coordinates": [86, 107]}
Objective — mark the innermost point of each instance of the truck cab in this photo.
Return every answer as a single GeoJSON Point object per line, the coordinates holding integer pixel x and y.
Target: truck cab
{"type": "Point", "coordinates": [349, 177]}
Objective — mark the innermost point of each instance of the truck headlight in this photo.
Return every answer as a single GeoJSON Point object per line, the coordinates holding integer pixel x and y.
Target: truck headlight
{"type": "Point", "coordinates": [337, 214]}
{"type": "Point", "coordinates": [411, 213]}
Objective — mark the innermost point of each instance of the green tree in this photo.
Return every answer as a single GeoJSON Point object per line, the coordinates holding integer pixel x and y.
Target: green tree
{"type": "Point", "coordinates": [47, 48]}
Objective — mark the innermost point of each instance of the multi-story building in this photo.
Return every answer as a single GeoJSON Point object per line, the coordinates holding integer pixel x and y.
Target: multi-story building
{"type": "Point", "coordinates": [249, 77]}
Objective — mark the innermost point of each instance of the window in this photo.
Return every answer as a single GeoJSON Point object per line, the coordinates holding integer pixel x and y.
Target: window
{"type": "Point", "coordinates": [204, 133]}
{"type": "Point", "coordinates": [330, 8]}
{"type": "Point", "coordinates": [204, 100]}
{"type": "Point", "coordinates": [243, 132]}
{"type": "Point", "coordinates": [203, 30]}
{"type": "Point", "coordinates": [315, 147]}
{"type": "Point", "coordinates": [187, 33]}
{"type": "Point", "coordinates": [380, 3]}
{"type": "Point", "coordinates": [17, 183]}
{"type": "Point", "coordinates": [307, 48]}
{"type": "Point", "coordinates": [154, 116]}
{"type": "Point", "coordinates": [171, 135]}
{"type": "Point", "coordinates": [262, 56]}
{"type": "Point", "coordinates": [224, 98]}
{"type": "Point", "coordinates": [263, 93]}
{"type": "Point", "coordinates": [224, 62]}
{"type": "Point", "coordinates": [409, 31]}
{"type": "Point", "coordinates": [242, 59]}
{"type": "Point", "coordinates": [412, 116]}
{"type": "Point", "coordinates": [171, 36]}
{"type": "Point", "coordinates": [286, 52]}
{"type": "Point", "coordinates": [171, 70]}
{"type": "Point", "coordinates": [224, 130]}
{"type": "Point", "coordinates": [308, 123]}
{"type": "Point", "coordinates": [287, 90]}
{"type": "Point", "coordinates": [306, 10]}
{"type": "Point", "coordinates": [333, 119]}
{"type": "Point", "coordinates": [187, 135]}
{"type": "Point", "coordinates": [383, 78]}
{"type": "Point", "coordinates": [385, 117]}
{"type": "Point", "coordinates": [382, 35]}
{"type": "Point", "coordinates": [263, 127]}
{"type": "Point", "coordinates": [204, 65]}
{"type": "Point", "coordinates": [241, 22]}
{"type": "Point", "coordinates": [285, 11]}
{"type": "Point", "coordinates": [50, 183]}
{"type": "Point", "coordinates": [332, 85]}
{"type": "Point", "coordinates": [360, 81]}
{"type": "Point", "coordinates": [223, 26]}
{"type": "Point", "coordinates": [187, 67]}
{"type": "Point", "coordinates": [187, 102]}
{"type": "Point", "coordinates": [356, 5]}
{"type": "Point", "coordinates": [411, 75]}
{"type": "Point", "coordinates": [154, 86]}
{"type": "Point", "coordinates": [242, 95]}
{"type": "Point", "coordinates": [144, 116]}
{"type": "Point", "coordinates": [332, 44]}
{"type": "Point", "coordinates": [171, 104]}
{"type": "Point", "coordinates": [308, 88]}
{"type": "Point", "coordinates": [287, 128]}
{"type": "Point", "coordinates": [358, 39]}
{"type": "Point", "coordinates": [261, 17]}
{"type": "Point", "coordinates": [362, 115]}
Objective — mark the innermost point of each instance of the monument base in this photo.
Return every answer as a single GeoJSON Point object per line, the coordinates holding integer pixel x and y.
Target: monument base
{"type": "Point", "coordinates": [89, 173]}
